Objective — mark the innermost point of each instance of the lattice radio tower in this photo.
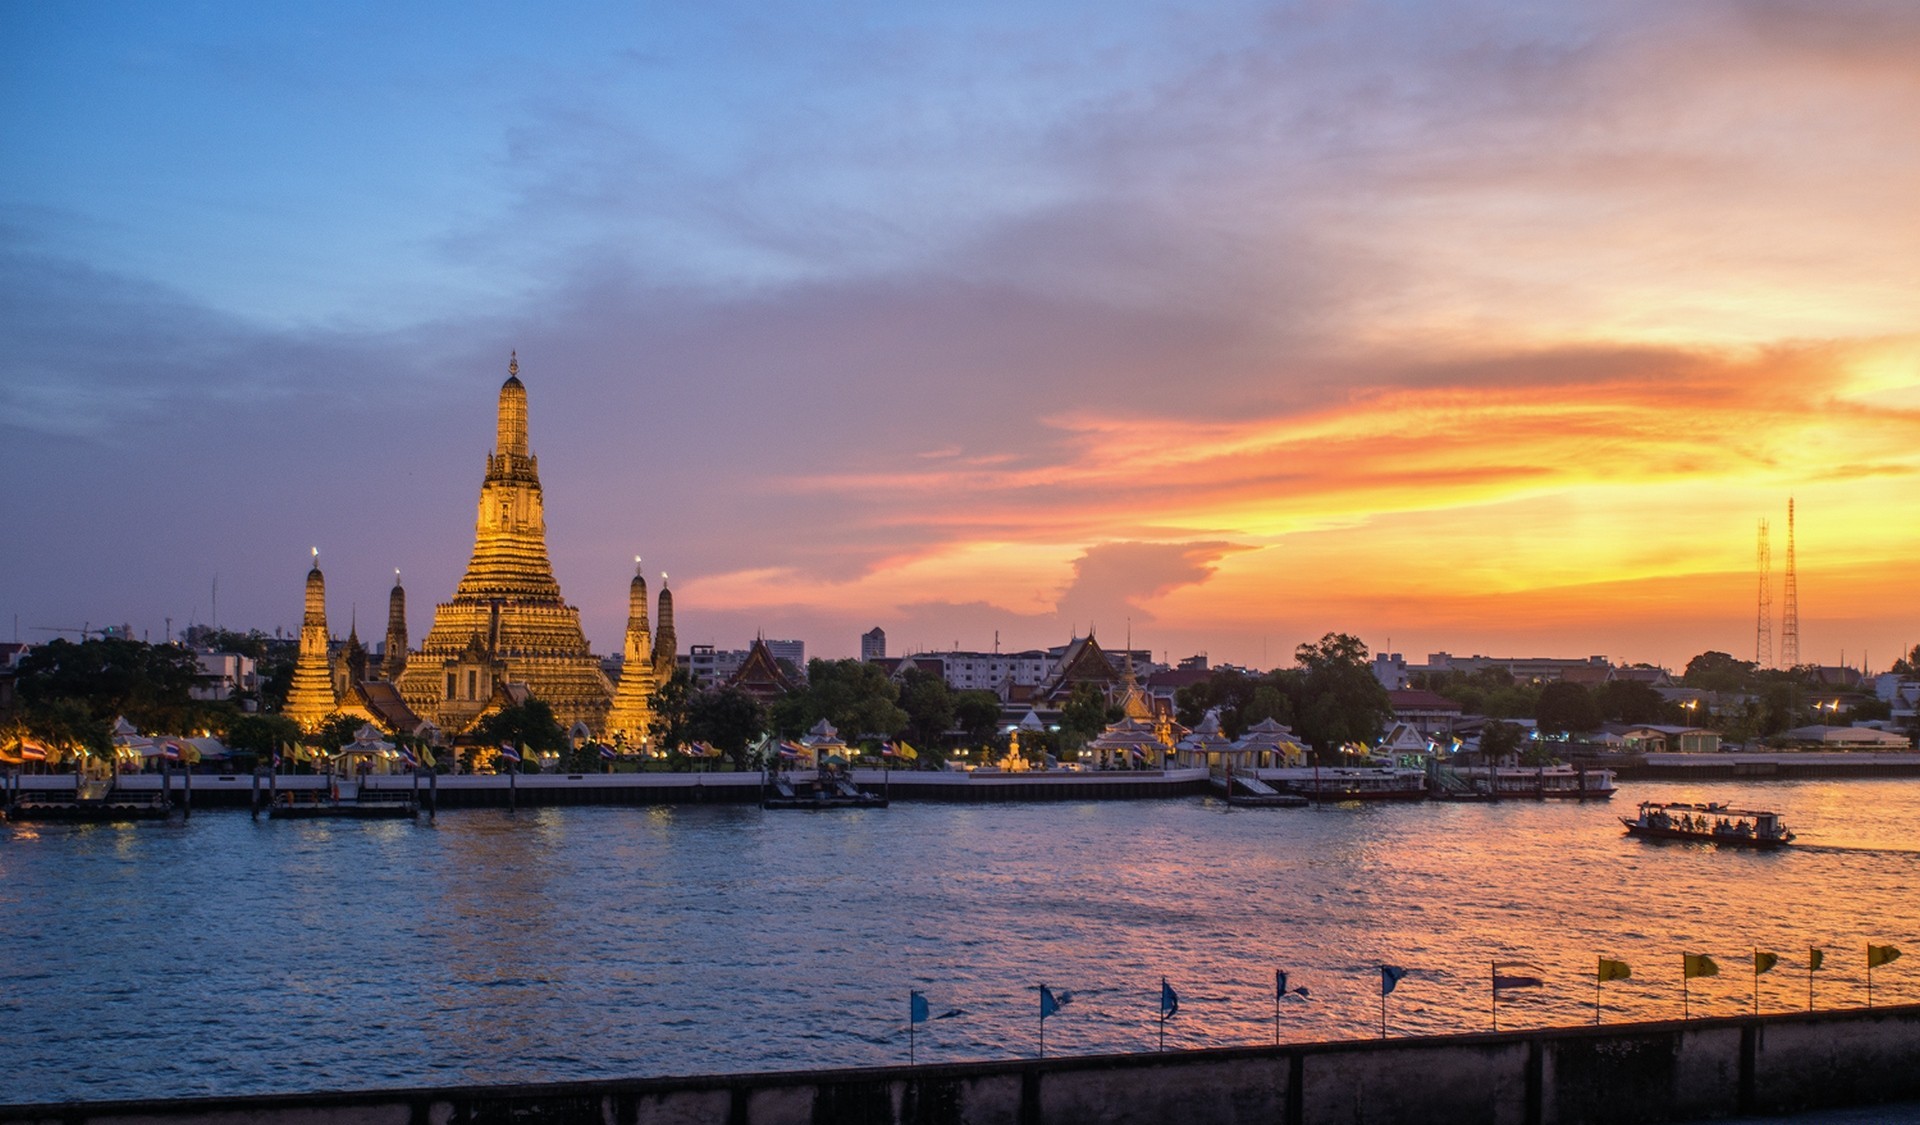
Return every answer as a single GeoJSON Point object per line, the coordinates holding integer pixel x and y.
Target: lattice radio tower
{"type": "Point", "coordinates": [1763, 621]}
{"type": "Point", "coordinates": [1790, 612]}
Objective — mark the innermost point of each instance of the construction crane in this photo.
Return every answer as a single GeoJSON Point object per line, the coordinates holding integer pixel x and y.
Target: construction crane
{"type": "Point", "coordinates": [85, 631]}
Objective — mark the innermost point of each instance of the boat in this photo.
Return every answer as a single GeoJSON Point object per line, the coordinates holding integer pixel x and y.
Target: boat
{"type": "Point", "coordinates": [829, 789]}
{"type": "Point", "coordinates": [1712, 823]}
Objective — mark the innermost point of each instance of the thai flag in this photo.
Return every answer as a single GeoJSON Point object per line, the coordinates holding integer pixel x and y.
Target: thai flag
{"type": "Point", "coordinates": [170, 751]}
{"type": "Point", "coordinates": [607, 752]}
{"type": "Point", "coordinates": [508, 752]}
{"type": "Point", "coordinates": [1137, 754]}
{"type": "Point", "coordinates": [276, 759]}
{"type": "Point", "coordinates": [887, 750]}
{"type": "Point", "coordinates": [407, 756]}
{"type": "Point", "coordinates": [33, 752]}
{"type": "Point", "coordinates": [791, 752]}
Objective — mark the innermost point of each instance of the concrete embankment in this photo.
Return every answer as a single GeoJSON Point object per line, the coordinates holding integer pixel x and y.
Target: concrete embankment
{"type": "Point", "coordinates": [1675, 1071]}
{"type": "Point", "coordinates": [715, 787]}
{"type": "Point", "coordinates": [1755, 765]}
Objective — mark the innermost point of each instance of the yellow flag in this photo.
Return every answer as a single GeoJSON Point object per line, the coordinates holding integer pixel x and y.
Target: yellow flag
{"type": "Point", "coordinates": [905, 751]}
{"type": "Point", "coordinates": [1764, 961]}
{"type": "Point", "coordinates": [1814, 958]}
{"type": "Point", "coordinates": [426, 757]}
{"type": "Point", "coordinates": [1698, 965]}
{"type": "Point", "coordinates": [1614, 970]}
{"type": "Point", "coordinates": [1878, 955]}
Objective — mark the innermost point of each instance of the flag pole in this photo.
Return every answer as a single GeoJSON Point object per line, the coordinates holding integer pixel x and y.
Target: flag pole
{"type": "Point", "coordinates": [1684, 1005]}
{"type": "Point", "coordinates": [1756, 980]}
{"type": "Point", "coordinates": [1276, 1007]}
{"type": "Point", "coordinates": [1493, 970]}
{"type": "Point", "coordinates": [1596, 993]}
{"type": "Point", "coordinates": [1043, 1022]}
{"type": "Point", "coordinates": [910, 1028]}
{"type": "Point", "coordinates": [1869, 974]}
{"type": "Point", "coordinates": [1383, 1013]}
{"type": "Point", "coordinates": [1809, 978]}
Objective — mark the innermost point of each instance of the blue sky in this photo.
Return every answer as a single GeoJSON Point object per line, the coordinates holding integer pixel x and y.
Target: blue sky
{"type": "Point", "coordinates": [957, 319]}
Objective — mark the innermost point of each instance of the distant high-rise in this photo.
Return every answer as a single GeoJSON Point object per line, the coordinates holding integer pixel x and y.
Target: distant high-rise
{"type": "Point", "coordinates": [1790, 614]}
{"type": "Point", "coordinates": [873, 645]}
{"type": "Point", "coordinates": [1763, 620]}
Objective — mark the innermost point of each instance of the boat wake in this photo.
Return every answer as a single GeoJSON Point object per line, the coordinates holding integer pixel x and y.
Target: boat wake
{"type": "Point", "coordinates": [1852, 849]}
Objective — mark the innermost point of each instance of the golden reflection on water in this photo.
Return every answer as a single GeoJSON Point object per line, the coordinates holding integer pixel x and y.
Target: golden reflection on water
{"type": "Point", "coordinates": [596, 942]}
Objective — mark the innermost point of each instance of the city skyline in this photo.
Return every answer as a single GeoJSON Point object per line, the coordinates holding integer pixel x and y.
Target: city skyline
{"type": "Point", "coordinates": [1477, 329]}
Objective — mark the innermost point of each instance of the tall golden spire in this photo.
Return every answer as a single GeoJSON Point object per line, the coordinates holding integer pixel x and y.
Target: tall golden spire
{"type": "Point", "coordinates": [665, 644]}
{"type": "Point", "coordinates": [508, 597]}
{"type": "Point", "coordinates": [632, 713]}
{"type": "Point", "coordinates": [310, 698]}
{"type": "Point", "coordinates": [395, 661]}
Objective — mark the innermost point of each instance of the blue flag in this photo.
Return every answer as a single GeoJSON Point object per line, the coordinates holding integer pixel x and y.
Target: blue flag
{"type": "Point", "coordinates": [1389, 977]}
{"type": "Point", "coordinates": [1049, 1003]}
{"type": "Point", "coordinates": [1169, 1000]}
{"type": "Point", "coordinates": [917, 1008]}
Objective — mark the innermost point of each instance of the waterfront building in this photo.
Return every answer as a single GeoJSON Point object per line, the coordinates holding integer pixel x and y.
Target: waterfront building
{"type": "Point", "coordinates": [631, 716]}
{"type": "Point", "coordinates": [1525, 669]}
{"type": "Point", "coordinates": [507, 623]}
{"type": "Point", "coordinates": [1429, 713]}
{"type": "Point", "coordinates": [310, 698]}
{"type": "Point", "coordinates": [1272, 744]}
{"type": "Point", "coordinates": [759, 675]}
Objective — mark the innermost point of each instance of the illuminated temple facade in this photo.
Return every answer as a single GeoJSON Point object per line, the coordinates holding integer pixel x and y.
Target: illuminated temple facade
{"type": "Point", "coordinates": [507, 626]}
{"type": "Point", "coordinates": [505, 637]}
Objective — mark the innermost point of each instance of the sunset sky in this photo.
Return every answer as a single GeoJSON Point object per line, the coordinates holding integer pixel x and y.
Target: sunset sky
{"type": "Point", "coordinates": [1484, 327]}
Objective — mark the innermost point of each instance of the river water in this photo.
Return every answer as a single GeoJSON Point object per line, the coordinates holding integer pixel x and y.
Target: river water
{"type": "Point", "coordinates": [228, 956]}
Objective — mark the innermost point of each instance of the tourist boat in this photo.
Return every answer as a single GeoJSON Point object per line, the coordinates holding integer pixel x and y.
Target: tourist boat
{"type": "Point", "coordinates": [1713, 823]}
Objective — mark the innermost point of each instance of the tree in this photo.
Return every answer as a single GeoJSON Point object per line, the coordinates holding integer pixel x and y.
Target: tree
{"type": "Point", "coordinates": [336, 731]}
{"type": "Point", "coordinates": [1908, 665]}
{"type": "Point", "coordinates": [530, 724]}
{"type": "Point", "coordinates": [1629, 701]}
{"type": "Point", "coordinates": [1499, 740]}
{"type": "Point", "coordinates": [729, 719]}
{"type": "Point", "coordinates": [978, 715]}
{"type": "Point", "coordinates": [109, 676]}
{"type": "Point", "coordinates": [1340, 700]}
{"type": "Point", "coordinates": [856, 697]}
{"type": "Point", "coordinates": [1565, 708]}
{"type": "Point", "coordinates": [929, 707]}
{"type": "Point", "coordinates": [261, 735]}
{"type": "Point", "coordinates": [1717, 671]}
{"type": "Point", "coordinates": [1268, 702]}
{"type": "Point", "coordinates": [670, 701]}
{"type": "Point", "coordinates": [1085, 714]}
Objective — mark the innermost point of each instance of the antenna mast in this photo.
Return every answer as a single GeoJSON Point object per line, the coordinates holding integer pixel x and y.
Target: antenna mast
{"type": "Point", "coordinates": [1763, 620]}
{"type": "Point", "coordinates": [1790, 614]}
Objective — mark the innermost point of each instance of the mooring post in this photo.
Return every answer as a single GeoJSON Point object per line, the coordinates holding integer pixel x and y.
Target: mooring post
{"type": "Point", "coordinates": [253, 802]}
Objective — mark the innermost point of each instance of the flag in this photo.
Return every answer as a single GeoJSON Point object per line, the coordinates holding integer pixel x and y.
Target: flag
{"type": "Point", "coordinates": [1764, 961]}
{"type": "Point", "coordinates": [916, 1008]}
{"type": "Point", "coordinates": [1390, 978]}
{"type": "Point", "coordinates": [886, 750]}
{"type": "Point", "coordinates": [525, 752]}
{"type": "Point", "coordinates": [907, 752]}
{"type": "Point", "coordinates": [1815, 957]}
{"type": "Point", "coordinates": [1515, 980]}
{"type": "Point", "coordinates": [170, 750]}
{"type": "Point", "coordinates": [508, 752]}
{"type": "Point", "coordinates": [1614, 970]}
{"type": "Point", "coordinates": [1698, 965]}
{"type": "Point", "coordinates": [1049, 1003]}
{"type": "Point", "coordinates": [426, 755]}
{"type": "Point", "coordinates": [607, 752]}
{"type": "Point", "coordinates": [1169, 1000]}
{"type": "Point", "coordinates": [32, 751]}
{"type": "Point", "coordinates": [1280, 988]}
{"type": "Point", "coordinates": [408, 757]}
{"type": "Point", "coordinates": [276, 758]}
{"type": "Point", "coordinates": [1878, 955]}
{"type": "Point", "coordinates": [791, 751]}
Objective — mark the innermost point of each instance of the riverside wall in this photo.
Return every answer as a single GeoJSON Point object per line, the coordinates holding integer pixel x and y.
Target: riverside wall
{"type": "Point", "coordinates": [1627, 1073]}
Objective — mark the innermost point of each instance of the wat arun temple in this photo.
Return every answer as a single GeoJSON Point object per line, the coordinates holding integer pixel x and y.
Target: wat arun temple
{"type": "Point", "coordinates": [506, 635]}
